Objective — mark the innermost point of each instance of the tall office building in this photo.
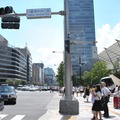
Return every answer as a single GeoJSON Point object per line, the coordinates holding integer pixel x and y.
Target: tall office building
{"type": "Point", "coordinates": [49, 76]}
{"type": "Point", "coordinates": [82, 30]}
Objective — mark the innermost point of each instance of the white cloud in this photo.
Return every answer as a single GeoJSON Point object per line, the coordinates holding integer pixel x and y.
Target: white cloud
{"type": "Point", "coordinates": [106, 36]}
{"type": "Point", "coordinates": [47, 57]}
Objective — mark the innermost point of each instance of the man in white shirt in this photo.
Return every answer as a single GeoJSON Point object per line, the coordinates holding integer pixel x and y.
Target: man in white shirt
{"type": "Point", "coordinates": [105, 96]}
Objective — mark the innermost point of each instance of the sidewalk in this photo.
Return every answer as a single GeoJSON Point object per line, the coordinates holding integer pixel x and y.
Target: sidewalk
{"type": "Point", "coordinates": [84, 110]}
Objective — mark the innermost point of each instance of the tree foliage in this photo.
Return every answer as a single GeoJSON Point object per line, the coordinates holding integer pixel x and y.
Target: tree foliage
{"type": "Point", "coordinates": [86, 78]}
{"type": "Point", "coordinates": [60, 74]}
{"type": "Point", "coordinates": [98, 71]}
{"type": "Point", "coordinates": [15, 82]}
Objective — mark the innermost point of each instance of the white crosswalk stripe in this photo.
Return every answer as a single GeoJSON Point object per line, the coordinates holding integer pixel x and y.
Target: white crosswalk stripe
{"type": "Point", "coordinates": [18, 117]}
{"type": "Point", "coordinates": [2, 116]}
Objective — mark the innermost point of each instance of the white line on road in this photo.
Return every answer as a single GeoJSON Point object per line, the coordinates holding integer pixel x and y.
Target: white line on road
{"type": "Point", "coordinates": [18, 117]}
{"type": "Point", "coordinates": [2, 116]}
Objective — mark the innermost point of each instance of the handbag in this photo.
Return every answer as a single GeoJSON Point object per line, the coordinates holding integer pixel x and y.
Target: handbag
{"type": "Point", "coordinates": [105, 99]}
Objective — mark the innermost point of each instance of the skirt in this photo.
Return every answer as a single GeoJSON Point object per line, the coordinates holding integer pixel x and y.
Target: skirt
{"type": "Point", "coordinates": [97, 105]}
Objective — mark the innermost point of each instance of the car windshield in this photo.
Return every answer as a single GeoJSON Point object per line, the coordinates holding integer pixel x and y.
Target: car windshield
{"type": "Point", "coordinates": [6, 88]}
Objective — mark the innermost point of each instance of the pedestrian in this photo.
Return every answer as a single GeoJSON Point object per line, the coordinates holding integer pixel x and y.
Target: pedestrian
{"type": "Point", "coordinates": [116, 88]}
{"type": "Point", "coordinates": [87, 92]}
{"type": "Point", "coordinates": [97, 105]}
{"type": "Point", "coordinates": [117, 92]}
{"type": "Point", "coordinates": [51, 89]}
{"type": "Point", "coordinates": [77, 91]}
{"type": "Point", "coordinates": [105, 99]}
{"type": "Point", "coordinates": [63, 91]}
{"type": "Point", "coordinates": [116, 98]}
{"type": "Point", "coordinates": [92, 100]}
{"type": "Point", "coordinates": [73, 90]}
{"type": "Point", "coordinates": [81, 90]}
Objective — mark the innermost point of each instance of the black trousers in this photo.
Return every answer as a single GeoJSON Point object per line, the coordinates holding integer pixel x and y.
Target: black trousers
{"type": "Point", "coordinates": [106, 110]}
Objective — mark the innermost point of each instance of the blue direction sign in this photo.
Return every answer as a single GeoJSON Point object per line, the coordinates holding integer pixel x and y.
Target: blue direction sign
{"type": "Point", "coordinates": [38, 13]}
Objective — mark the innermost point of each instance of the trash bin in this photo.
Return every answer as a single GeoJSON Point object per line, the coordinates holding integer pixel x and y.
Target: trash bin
{"type": "Point", "coordinates": [116, 101]}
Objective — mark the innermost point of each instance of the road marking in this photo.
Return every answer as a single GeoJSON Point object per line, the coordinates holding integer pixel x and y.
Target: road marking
{"type": "Point", "coordinates": [2, 116]}
{"type": "Point", "coordinates": [18, 117]}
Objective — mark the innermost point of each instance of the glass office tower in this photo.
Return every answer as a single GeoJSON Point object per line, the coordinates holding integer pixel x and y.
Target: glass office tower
{"type": "Point", "coordinates": [82, 30]}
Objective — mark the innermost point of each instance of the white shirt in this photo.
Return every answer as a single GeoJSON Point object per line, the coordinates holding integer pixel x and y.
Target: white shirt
{"type": "Point", "coordinates": [117, 93]}
{"type": "Point", "coordinates": [105, 91]}
{"type": "Point", "coordinates": [98, 97]}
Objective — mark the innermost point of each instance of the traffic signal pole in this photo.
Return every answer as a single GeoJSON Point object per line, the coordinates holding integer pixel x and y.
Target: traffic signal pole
{"type": "Point", "coordinates": [24, 14]}
{"type": "Point", "coordinates": [68, 105]}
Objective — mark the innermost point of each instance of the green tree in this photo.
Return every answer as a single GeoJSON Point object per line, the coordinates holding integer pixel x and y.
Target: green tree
{"type": "Point", "coordinates": [60, 74]}
{"type": "Point", "coordinates": [99, 70]}
{"type": "Point", "coordinates": [15, 82]}
{"type": "Point", "coordinates": [86, 78]}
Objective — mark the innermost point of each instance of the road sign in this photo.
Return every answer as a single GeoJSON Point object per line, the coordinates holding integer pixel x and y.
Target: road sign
{"type": "Point", "coordinates": [38, 13]}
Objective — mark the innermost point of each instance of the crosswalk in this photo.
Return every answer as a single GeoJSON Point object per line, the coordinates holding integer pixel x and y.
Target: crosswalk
{"type": "Point", "coordinates": [16, 117]}
{"type": "Point", "coordinates": [2, 116]}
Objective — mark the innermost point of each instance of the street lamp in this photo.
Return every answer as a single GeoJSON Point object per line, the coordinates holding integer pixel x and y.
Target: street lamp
{"type": "Point", "coordinates": [57, 52]}
{"type": "Point", "coordinates": [80, 65]}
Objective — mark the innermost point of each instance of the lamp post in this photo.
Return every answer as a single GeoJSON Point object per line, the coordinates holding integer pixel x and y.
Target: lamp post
{"type": "Point", "coordinates": [80, 67]}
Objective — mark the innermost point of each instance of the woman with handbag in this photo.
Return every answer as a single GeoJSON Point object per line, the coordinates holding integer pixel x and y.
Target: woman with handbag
{"type": "Point", "coordinates": [87, 93]}
{"type": "Point", "coordinates": [97, 105]}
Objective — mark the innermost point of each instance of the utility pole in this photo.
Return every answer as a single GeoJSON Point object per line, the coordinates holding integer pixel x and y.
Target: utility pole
{"type": "Point", "coordinates": [68, 104]}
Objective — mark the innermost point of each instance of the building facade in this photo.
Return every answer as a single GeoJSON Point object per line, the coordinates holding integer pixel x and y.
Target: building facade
{"type": "Point", "coordinates": [82, 30]}
{"type": "Point", "coordinates": [38, 73]}
{"type": "Point", "coordinates": [13, 63]}
{"type": "Point", "coordinates": [28, 57]}
{"type": "Point", "coordinates": [49, 76]}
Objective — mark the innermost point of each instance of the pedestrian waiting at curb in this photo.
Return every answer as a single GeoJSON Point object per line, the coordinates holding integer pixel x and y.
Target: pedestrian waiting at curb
{"type": "Point", "coordinates": [97, 105]}
{"type": "Point", "coordinates": [81, 90]}
{"type": "Point", "coordinates": [92, 100]}
{"type": "Point", "coordinates": [105, 99]}
{"type": "Point", "coordinates": [87, 92]}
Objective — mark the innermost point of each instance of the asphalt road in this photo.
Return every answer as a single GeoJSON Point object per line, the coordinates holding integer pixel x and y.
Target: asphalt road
{"type": "Point", "coordinates": [29, 106]}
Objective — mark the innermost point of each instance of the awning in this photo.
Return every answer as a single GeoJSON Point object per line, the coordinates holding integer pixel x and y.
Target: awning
{"type": "Point", "coordinates": [115, 80]}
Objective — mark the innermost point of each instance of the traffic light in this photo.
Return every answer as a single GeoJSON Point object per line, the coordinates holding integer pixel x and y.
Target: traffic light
{"type": "Point", "coordinates": [10, 25]}
{"type": "Point", "coordinates": [67, 46]}
{"type": "Point", "coordinates": [6, 10]}
{"type": "Point", "coordinates": [10, 22]}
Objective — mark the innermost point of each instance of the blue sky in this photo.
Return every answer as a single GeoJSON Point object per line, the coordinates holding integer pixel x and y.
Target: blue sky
{"type": "Point", "coordinates": [42, 36]}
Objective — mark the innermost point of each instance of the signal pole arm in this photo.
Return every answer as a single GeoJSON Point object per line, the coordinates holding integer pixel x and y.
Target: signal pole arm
{"type": "Point", "coordinates": [24, 14]}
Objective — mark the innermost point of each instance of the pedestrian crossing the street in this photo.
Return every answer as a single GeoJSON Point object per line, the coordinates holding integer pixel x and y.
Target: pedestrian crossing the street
{"type": "Point", "coordinates": [16, 117]}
